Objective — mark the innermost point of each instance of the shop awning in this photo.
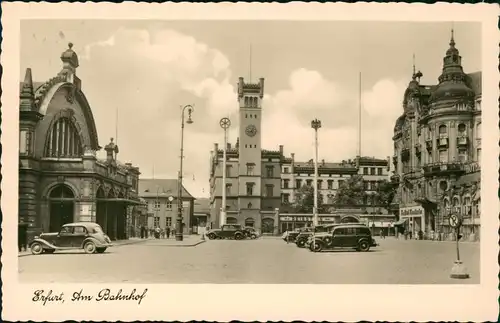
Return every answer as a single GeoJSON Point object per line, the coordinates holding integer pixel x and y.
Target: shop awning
{"type": "Point", "coordinates": [400, 222]}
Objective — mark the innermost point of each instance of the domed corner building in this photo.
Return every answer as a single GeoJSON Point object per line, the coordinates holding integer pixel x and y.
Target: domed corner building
{"type": "Point", "coordinates": [437, 152]}
{"type": "Point", "coordinates": [60, 179]}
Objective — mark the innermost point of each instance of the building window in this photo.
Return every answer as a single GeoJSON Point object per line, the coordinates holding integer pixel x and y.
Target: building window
{"type": "Point", "coordinates": [467, 207]}
{"type": "Point", "coordinates": [330, 184]}
{"type": "Point", "coordinates": [157, 204]}
{"type": "Point", "coordinates": [298, 183]}
{"type": "Point", "coordinates": [372, 171]}
{"type": "Point", "coordinates": [64, 140]}
{"type": "Point", "coordinates": [365, 171]}
{"type": "Point", "coordinates": [461, 129]}
{"type": "Point", "coordinates": [430, 158]}
{"type": "Point", "coordinates": [269, 190]}
{"type": "Point", "coordinates": [156, 222]}
{"type": "Point", "coordinates": [443, 129]}
{"type": "Point", "coordinates": [168, 221]}
{"type": "Point", "coordinates": [379, 170]}
{"type": "Point", "coordinates": [250, 188]}
{"type": "Point", "coordinates": [462, 155]}
{"type": "Point", "coordinates": [250, 168]}
{"type": "Point", "coordinates": [286, 198]}
{"type": "Point", "coordinates": [309, 182]}
{"type": "Point", "coordinates": [443, 156]}
{"type": "Point", "coordinates": [169, 205]}
{"type": "Point", "coordinates": [228, 189]}
{"type": "Point", "coordinates": [270, 171]}
{"type": "Point", "coordinates": [341, 182]}
{"type": "Point", "coordinates": [286, 183]}
{"type": "Point", "coordinates": [228, 170]}
{"type": "Point", "coordinates": [478, 130]}
{"type": "Point", "coordinates": [286, 170]}
{"type": "Point", "coordinates": [23, 147]}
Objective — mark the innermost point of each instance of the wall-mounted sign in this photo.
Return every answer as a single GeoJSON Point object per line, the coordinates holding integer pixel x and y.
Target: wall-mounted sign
{"type": "Point", "coordinates": [411, 211]}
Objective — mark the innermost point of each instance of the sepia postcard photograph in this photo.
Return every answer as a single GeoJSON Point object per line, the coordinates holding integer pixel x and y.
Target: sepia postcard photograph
{"type": "Point", "coordinates": [250, 162]}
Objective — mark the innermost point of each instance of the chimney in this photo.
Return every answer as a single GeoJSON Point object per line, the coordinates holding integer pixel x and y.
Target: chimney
{"type": "Point", "coordinates": [281, 150]}
{"type": "Point", "coordinates": [228, 146]}
{"type": "Point", "coordinates": [323, 162]}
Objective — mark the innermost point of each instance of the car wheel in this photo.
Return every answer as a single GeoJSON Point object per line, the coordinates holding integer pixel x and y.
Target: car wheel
{"type": "Point", "coordinates": [49, 251]}
{"type": "Point", "coordinates": [364, 246]}
{"type": "Point", "coordinates": [36, 248]}
{"type": "Point", "coordinates": [100, 250]}
{"type": "Point", "coordinates": [253, 236]}
{"type": "Point", "coordinates": [211, 236]}
{"type": "Point", "coordinates": [238, 236]}
{"type": "Point", "coordinates": [316, 246]}
{"type": "Point", "coordinates": [89, 247]}
{"type": "Point", "coordinates": [301, 243]}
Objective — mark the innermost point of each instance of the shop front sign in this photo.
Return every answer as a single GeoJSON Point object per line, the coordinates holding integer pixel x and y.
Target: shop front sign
{"type": "Point", "coordinates": [411, 211]}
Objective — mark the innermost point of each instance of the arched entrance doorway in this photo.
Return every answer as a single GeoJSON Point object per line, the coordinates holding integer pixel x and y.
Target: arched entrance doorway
{"type": "Point", "coordinates": [62, 207]}
{"type": "Point", "coordinates": [231, 220]}
{"type": "Point", "coordinates": [349, 219]}
{"type": "Point", "coordinates": [250, 222]}
{"type": "Point", "coordinates": [267, 226]}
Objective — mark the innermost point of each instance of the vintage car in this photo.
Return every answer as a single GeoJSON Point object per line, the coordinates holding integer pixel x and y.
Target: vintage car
{"type": "Point", "coordinates": [228, 231]}
{"type": "Point", "coordinates": [290, 236]}
{"type": "Point", "coordinates": [356, 236]}
{"type": "Point", "coordinates": [88, 236]}
{"type": "Point", "coordinates": [301, 239]}
{"type": "Point", "coordinates": [251, 232]}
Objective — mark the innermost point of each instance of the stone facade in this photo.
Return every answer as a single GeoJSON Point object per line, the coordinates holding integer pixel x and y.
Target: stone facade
{"type": "Point", "coordinates": [60, 178]}
{"type": "Point", "coordinates": [437, 151]}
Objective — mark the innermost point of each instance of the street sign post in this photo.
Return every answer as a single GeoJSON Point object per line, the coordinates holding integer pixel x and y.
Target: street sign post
{"type": "Point", "coordinates": [458, 271]}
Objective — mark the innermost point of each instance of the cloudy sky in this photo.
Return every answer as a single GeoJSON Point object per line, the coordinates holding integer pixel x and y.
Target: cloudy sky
{"type": "Point", "coordinates": [148, 69]}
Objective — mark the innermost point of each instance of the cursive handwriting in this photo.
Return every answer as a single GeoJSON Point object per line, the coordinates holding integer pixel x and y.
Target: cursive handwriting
{"type": "Point", "coordinates": [107, 295]}
{"type": "Point", "coordinates": [77, 296]}
{"type": "Point", "coordinates": [40, 296]}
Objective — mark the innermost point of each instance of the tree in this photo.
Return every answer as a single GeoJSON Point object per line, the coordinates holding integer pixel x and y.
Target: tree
{"type": "Point", "coordinates": [304, 200]}
{"type": "Point", "coordinates": [351, 193]}
{"type": "Point", "coordinates": [385, 193]}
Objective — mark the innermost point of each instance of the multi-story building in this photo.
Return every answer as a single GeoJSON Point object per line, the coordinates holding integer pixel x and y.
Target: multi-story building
{"type": "Point", "coordinates": [61, 180]}
{"type": "Point", "coordinates": [161, 196]}
{"type": "Point", "coordinates": [253, 177]}
{"type": "Point", "coordinates": [437, 150]}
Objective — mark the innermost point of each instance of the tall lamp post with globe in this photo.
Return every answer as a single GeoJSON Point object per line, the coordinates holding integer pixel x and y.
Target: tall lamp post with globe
{"type": "Point", "coordinates": [178, 231]}
{"type": "Point", "coordinates": [316, 125]}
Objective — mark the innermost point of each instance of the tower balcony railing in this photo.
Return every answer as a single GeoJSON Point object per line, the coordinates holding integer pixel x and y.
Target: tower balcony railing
{"type": "Point", "coordinates": [444, 168]}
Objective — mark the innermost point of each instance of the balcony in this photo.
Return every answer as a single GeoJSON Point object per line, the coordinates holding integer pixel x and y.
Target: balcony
{"type": "Point", "coordinates": [444, 169]}
{"type": "Point", "coordinates": [424, 197]}
{"type": "Point", "coordinates": [428, 143]}
{"type": "Point", "coordinates": [443, 142]}
{"type": "Point", "coordinates": [412, 173]}
{"type": "Point", "coordinates": [462, 141]}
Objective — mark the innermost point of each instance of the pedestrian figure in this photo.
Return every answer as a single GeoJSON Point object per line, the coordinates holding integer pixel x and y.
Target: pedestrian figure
{"type": "Point", "coordinates": [168, 232]}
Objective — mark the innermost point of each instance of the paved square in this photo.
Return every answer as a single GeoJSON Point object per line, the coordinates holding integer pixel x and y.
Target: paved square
{"type": "Point", "coordinates": [266, 260]}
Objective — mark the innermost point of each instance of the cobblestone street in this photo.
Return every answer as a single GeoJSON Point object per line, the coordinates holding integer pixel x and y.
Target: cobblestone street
{"type": "Point", "coordinates": [266, 260]}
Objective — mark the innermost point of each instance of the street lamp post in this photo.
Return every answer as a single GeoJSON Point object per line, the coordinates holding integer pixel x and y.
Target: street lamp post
{"type": "Point", "coordinates": [178, 231]}
{"type": "Point", "coordinates": [224, 123]}
{"type": "Point", "coordinates": [315, 124]}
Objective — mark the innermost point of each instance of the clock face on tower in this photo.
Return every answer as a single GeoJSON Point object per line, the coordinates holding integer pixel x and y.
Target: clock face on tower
{"type": "Point", "coordinates": [251, 130]}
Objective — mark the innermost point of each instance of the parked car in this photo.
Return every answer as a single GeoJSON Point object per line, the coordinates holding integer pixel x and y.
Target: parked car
{"type": "Point", "coordinates": [88, 236]}
{"type": "Point", "coordinates": [301, 239]}
{"type": "Point", "coordinates": [290, 236]}
{"type": "Point", "coordinates": [228, 231]}
{"type": "Point", "coordinates": [356, 236]}
{"type": "Point", "coordinates": [251, 232]}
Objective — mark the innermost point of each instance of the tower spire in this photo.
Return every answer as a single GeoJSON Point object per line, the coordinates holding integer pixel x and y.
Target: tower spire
{"type": "Point", "coordinates": [452, 40]}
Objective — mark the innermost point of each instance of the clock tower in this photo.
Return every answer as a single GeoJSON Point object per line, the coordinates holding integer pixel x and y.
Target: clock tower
{"type": "Point", "coordinates": [250, 152]}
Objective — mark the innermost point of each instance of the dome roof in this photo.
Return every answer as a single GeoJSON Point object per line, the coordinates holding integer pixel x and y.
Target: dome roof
{"type": "Point", "coordinates": [451, 90]}
{"type": "Point", "coordinates": [69, 56]}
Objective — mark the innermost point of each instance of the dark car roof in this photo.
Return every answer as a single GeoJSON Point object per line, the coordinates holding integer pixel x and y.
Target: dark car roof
{"type": "Point", "coordinates": [84, 224]}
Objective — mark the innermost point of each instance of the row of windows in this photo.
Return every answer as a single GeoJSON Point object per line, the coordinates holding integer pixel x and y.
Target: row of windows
{"type": "Point", "coordinates": [251, 101]}
{"type": "Point", "coordinates": [157, 224]}
{"type": "Point", "coordinates": [250, 188]}
{"type": "Point", "coordinates": [250, 146]}
{"type": "Point", "coordinates": [443, 157]}
{"type": "Point", "coordinates": [309, 182]}
{"type": "Point", "coordinates": [250, 171]}
{"type": "Point", "coordinates": [372, 170]}
{"type": "Point", "coordinates": [251, 116]}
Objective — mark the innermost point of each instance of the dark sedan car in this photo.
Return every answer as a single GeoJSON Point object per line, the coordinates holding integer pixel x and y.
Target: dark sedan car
{"type": "Point", "coordinates": [88, 236]}
{"type": "Point", "coordinates": [352, 236]}
{"type": "Point", "coordinates": [301, 239]}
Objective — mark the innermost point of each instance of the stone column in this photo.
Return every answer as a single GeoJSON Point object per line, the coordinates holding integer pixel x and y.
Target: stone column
{"type": "Point", "coordinates": [28, 204]}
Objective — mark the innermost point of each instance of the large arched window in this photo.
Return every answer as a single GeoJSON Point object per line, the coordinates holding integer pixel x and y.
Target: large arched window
{"type": "Point", "coordinates": [64, 140]}
{"type": "Point", "coordinates": [456, 205]}
{"type": "Point", "coordinates": [443, 129]}
{"type": "Point", "coordinates": [467, 206]}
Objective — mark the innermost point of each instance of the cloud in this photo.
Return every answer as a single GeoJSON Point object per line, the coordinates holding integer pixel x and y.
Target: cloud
{"type": "Point", "coordinates": [149, 75]}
